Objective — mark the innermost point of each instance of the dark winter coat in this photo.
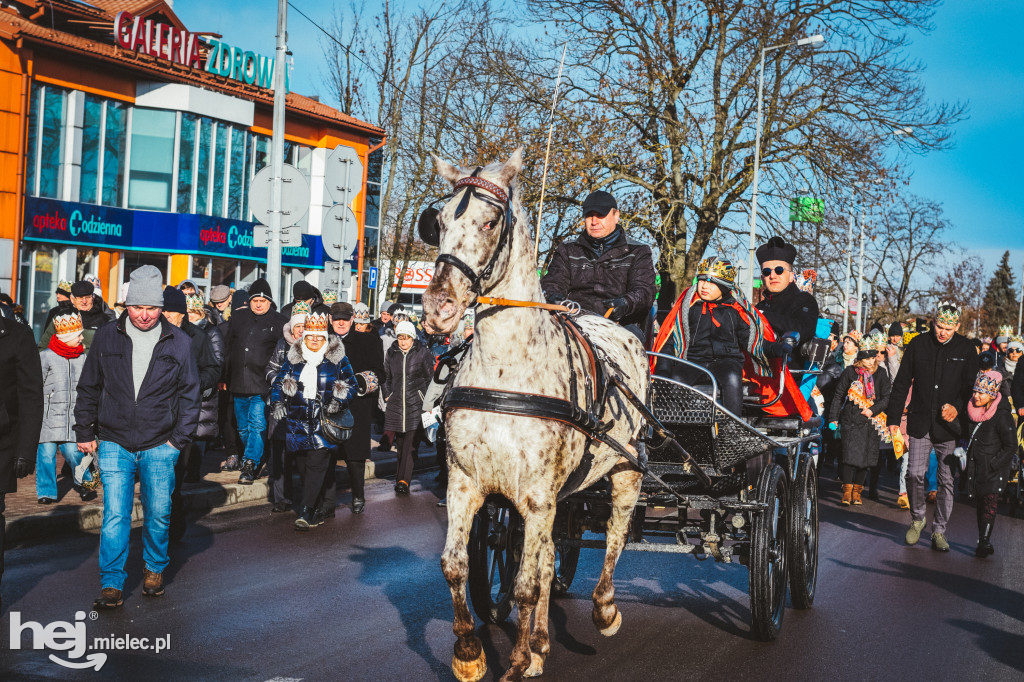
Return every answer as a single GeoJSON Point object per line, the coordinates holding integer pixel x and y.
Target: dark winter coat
{"type": "Point", "coordinates": [209, 368]}
{"type": "Point", "coordinates": [21, 399]}
{"type": "Point", "coordinates": [940, 374]}
{"type": "Point", "coordinates": [406, 377]}
{"type": "Point", "coordinates": [624, 269]}
{"type": "Point", "coordinates": [366, 354]}
{"type": "Point", "coordinates": [861, 442]}
{"type": "Point", "coordinates": [249, 343]}
{"type": "Point", "coordinates": [716, 333]}
{"type": "Point", "coordinates": [791, 310]}
{"type": "Point", "coordinates": [167, 407]}
{"type": "Point", "coordinates": [336, 387]}
{"type": "Point", "coordinates": [1017, 386]}
{"type": "Point", "coordinates": [60, 391]}
{"type": "Point", "coordinates": [990, 454]}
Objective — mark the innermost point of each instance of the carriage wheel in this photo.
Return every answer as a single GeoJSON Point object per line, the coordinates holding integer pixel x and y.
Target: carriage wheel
{"type": "Point", "coordinates": [568, 525]}
{"type": "Point", "coordinates": [803, 535]}
{"type": "Point", "coordinates": [768, 555]}
{"type": "Point", "coordinates": [495, 552]}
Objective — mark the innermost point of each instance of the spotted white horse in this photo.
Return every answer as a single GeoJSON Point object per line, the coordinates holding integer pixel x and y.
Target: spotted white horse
{"type": "Point", "coordinates": [486, 250]}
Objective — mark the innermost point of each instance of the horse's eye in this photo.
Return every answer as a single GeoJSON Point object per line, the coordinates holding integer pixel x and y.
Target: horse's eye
{"type": "Point", "coordinates": [487, 226]}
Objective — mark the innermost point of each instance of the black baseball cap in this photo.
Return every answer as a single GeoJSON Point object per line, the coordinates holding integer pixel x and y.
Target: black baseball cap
{"type": "Point", "coordinates": [599, 202]}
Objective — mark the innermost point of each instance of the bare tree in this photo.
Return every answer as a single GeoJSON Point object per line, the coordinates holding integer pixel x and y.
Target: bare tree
{"type": "Point", "coordinates": [675, 87]}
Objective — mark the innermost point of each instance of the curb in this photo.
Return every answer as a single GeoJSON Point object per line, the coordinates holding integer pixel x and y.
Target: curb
{"type": "Point", "coordinates": [211, 497]}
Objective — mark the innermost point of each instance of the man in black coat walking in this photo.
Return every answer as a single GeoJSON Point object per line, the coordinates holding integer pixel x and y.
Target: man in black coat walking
{"type": "Point", "coordinates": [786, 307]}
{"type": "Point", "coordinates": [252, 336]}
{"type": "Point", "coordinates": [366, 354]}
{"type": "Point", "coordinates": [138, 404]}
{"type": "Point", "coordinates": [940, 367]}
{"type": "Point", "coordinates": [21, 410]}
{"type": "Point", "coordinates": [603, 270]}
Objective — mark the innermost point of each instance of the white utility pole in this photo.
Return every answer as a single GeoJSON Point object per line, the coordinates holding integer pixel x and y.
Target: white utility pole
{"type": "Point", "coordinates": [1020, 306]}
{"type": "Point", "coordinates": [849, 267]}
{"type": "Point", "coordinates": [277, 153]}
{"type": "Point", "coordinates": [860, 278]}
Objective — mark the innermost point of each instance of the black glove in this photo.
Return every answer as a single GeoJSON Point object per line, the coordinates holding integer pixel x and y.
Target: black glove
{"type": "Point", "coordinates": [790, 340]}
{"type": "Point", "coordinates": [278, 411]}
{"type": "Point", "coordinates": [23, 467]}
{"type": "Point", "coordinates": [618, 306]}
{"type": "Point", "coordinates": [783, 347]}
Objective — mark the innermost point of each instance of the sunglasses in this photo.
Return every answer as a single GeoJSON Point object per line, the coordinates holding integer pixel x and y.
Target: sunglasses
{"type": "Point", "coordinates": [1015, 350]}
{"type": "Point", "coordinates": [778, 270]}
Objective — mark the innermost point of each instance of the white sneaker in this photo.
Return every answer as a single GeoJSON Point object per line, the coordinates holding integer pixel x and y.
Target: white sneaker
{"type": "Point", "coordinates": [82, 467]}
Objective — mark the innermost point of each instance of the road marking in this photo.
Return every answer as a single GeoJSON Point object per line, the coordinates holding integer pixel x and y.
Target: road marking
{"type": "Point", "coordinates": [285, 679]}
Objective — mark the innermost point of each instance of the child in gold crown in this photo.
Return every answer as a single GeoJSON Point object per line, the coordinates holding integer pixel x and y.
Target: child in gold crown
{"type": "Point", "coordinates": [62, 362]}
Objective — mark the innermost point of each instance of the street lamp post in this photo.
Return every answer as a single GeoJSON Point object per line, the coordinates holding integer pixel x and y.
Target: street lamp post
{"type": "Point", "coordinates": [849, 267]}
{"type": "Point", "coordinates": [811, 40]}
{"type": "Point", "coordinates": [860, 278]}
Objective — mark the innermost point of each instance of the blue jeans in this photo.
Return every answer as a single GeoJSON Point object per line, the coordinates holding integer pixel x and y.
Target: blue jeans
{"type": "Point", "coordinates": [46, 466]}
{"type": "Point", "coordinates": [118, 467]}
{"type": "Point", "coordinates": [932, 477]}
{"type": "Point", "coordinates": [250, 412]}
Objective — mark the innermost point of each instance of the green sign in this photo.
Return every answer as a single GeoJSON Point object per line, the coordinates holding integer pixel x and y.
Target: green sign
{"type": "Point", "coordinates": [806, 210]}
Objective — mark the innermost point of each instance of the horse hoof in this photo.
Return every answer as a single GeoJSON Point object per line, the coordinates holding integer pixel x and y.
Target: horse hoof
{"type": "Point", "coordinates": [536, 668]}
{"type": "Point", "coordinates": [614, 627]}
{"type": "Point", "coordinates": [469, 671]}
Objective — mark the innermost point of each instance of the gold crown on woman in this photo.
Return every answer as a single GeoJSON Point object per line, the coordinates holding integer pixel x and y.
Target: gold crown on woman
{"type": "Point", "coordinates": [873, 342]}
{"type": "Point", "coordinates": [717, 269]}
{"type": "Point", "coordinates": [317, 322]}
{"type": "Point", "coordinates": [68, 324]}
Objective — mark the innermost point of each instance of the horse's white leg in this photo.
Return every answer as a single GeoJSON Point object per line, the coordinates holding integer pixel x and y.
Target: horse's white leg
{"type": "Point", "coordinates": [626, 482]}
{"type": "Point", "coordinates": [540, 643]}
{"type": "Point", "coordinates": [537, 524]}
{"type": "Point", "coordinates": [468, 662]}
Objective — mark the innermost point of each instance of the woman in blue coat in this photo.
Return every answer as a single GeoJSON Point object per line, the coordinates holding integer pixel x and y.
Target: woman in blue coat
{"type": "Point", "coordinates": [316, 376]}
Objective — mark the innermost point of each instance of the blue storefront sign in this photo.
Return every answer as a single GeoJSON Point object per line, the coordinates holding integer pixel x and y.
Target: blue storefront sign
{"type": "Point", "coordinates": [118, 229]}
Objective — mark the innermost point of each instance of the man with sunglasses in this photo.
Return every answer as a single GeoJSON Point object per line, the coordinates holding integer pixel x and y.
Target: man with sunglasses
{"type": "Point", "coordinates": [786, 307]}
{"type": "Point", "coordinates": [602, 270]}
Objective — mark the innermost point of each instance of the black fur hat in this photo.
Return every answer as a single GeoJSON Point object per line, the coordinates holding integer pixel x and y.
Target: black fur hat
{"type": "Point", "coordinates": [777, 249]}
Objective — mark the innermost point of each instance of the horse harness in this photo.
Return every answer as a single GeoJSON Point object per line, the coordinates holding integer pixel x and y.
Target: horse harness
{"type": "Point", "coordinates": [475, 187]}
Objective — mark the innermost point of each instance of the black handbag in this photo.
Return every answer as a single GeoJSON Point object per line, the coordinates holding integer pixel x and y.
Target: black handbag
{"type": "Point", "coordinates": [337, 428]}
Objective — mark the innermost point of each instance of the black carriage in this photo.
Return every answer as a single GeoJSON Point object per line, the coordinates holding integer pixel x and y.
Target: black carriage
{"type": "Point", "coordinates": [754, 502]}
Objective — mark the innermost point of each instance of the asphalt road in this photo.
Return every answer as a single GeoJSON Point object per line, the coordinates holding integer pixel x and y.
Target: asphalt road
{"type": "Point", "coordinates": [363, 598]}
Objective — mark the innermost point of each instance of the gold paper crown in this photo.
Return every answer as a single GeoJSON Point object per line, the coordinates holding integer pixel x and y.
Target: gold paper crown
{"type": "Point", "coordinates": [330, 297]}
{"type": "Point", "coordinates": [64, 285]}
{"type": "Point", "coordinates": [300, 308]}
{"type": "Point", "coordinates": [986, 384]}
{"type": "Point", "coordinates": [948, 313]}
{"type": "Point", "coordinates": [717, 270]}
{"type": "Point", "coordinates": [68, 324]}
{"type": "Point", "coordinates": [873, 342]}
{"type": "Point", "coordinates": [317, 323]}
{"type": "Point", "coordinates": [1005, 330]}
{"type": "Point", "coordinates": [193, 302]}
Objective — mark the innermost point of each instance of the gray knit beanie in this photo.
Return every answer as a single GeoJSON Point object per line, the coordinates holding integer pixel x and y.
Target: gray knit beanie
{"type": "Point", "coordinates": [147, 287]}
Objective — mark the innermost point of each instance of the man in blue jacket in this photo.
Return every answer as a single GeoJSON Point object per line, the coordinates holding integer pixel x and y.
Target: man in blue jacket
{"type": "Point", "coordinates": [138, 404]}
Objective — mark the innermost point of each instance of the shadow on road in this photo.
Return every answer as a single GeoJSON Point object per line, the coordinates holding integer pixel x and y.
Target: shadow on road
{"type": "Point", "coordinates": [1002, 646]}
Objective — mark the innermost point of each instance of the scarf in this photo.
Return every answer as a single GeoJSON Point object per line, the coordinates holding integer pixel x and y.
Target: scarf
{"type": "Point", "coordinates": [1011, 365]}
{"type": "Point", "coordinates": [849, 359]}
{"type": "Point", "coordinates": [680, 326]}
{"type": "Point", "coordinates": [867, 379]}
{"type": "Point", "coordinates": [982, 414]}
{"type": "Point", "coordinates": [64, 350]}
{"type": "Point", "coordinates": [309, 374]}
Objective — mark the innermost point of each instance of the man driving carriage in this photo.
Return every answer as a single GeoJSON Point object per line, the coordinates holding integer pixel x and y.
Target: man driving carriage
{"type": "Point", "coordinates": [603, 270]}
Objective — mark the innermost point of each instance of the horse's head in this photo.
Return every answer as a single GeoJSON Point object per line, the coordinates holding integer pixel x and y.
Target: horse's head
{"type": "Point", "coordinates": [474, 231]}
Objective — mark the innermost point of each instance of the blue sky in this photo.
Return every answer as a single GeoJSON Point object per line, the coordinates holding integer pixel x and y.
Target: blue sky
{"type": "Point", "coordinates": [974, 55]}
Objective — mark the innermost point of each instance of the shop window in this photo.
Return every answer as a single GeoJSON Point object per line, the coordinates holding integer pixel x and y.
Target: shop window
{"type": "Point", "coordinates": [39, 267]}
{"type": "Point", "coordinates": [115, 143]}
{"type": "Point", "coordinates": [372, 204]}
{"type": "Point", "coordinates": [86, 262]}
{"type": "Point", "coordinates": [186, 161]}
{"type": "Point", "coordinates": [92, 127]}
{"type": "Point", "coordinates": [206, 132]}
{"type": "Point", "coordinates": [237, 197]}
{"type": "Point", "coordinates": [134, 260]}
{"type": "Point", "coordinates": [261, 153]}
{"type": "Point", "coordinates": [32, 143]}
{"type": "Point", "coordinates": [152, 161]}
{"type": "Point", "coordinates": [51, 146]}
{"type": "Point", "coordinates": [219, 169]}
{"type": "Point", "coordinates": [304, 160]}
{"type": "Point", "coordinates": [222, 271]}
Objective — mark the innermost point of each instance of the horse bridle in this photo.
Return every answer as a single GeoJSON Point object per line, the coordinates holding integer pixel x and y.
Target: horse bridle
{"type": "Point", "coordinates": [474, 186]}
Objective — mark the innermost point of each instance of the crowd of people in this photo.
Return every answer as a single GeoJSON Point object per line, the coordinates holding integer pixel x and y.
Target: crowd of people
{"type": "Point", "coordinates": [150, 389]}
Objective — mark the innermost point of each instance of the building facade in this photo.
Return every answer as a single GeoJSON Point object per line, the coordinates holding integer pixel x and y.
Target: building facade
{"type": "Point", "coordinates": [127, 138]}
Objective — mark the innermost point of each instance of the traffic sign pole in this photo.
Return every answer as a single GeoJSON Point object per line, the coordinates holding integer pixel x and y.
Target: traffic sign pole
{"type": "Point", "coordinates": [277, 155]}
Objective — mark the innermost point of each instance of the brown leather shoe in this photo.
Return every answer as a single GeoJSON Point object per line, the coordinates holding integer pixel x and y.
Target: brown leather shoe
{"type": "Point", "coordinates": [110, 598]}
{"type": "Point", "coordinates": [856, 494]}
{"type": "Point", "coordinates": [153, 583]}
{"type": "Point", "coordinates": [847, 493]}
